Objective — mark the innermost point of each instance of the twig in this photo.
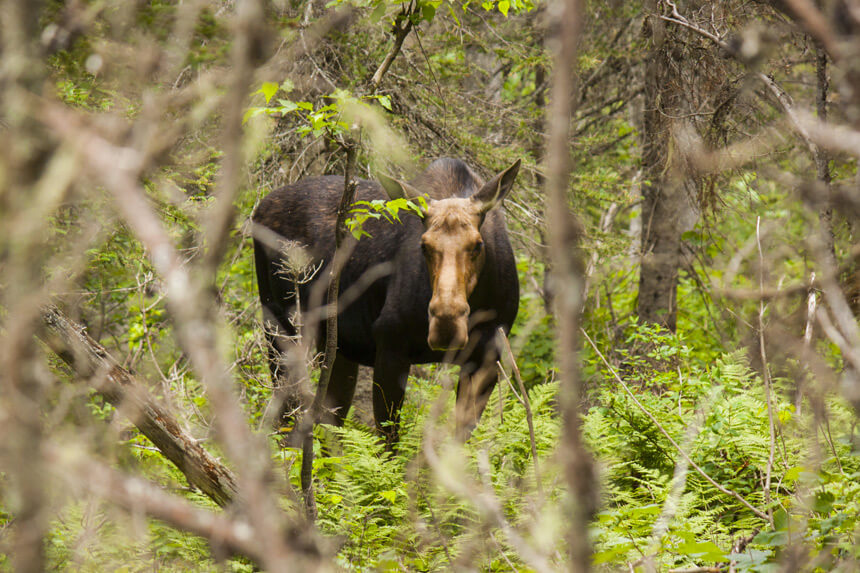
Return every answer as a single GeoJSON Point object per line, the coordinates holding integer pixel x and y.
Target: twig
{"type": "Point", "coordinates": [816, 25]}
{"type": "Point", "coordinates": [670, 506]}
{"type": "Point", "coordinates": [663, 431]}
{"type": "Point", "coordinates": [486, 502]}
{"type": "Point", "coordinates": [765, 376]}
{"type": "Point", "coordinates": [523, 398]}
{"type": "Point", "coordinates": [835, 336]}
{"type": "Point", "coordinates": [740, 546]}
{"type": "Point", "coordinates": [683, 22]}
{"type": "Point", "coordinates": [402, 27]}
{"type": "Point", "coordinates": [341, 254]}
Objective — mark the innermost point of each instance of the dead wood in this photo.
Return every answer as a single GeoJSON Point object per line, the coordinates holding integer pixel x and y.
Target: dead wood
{"type": "Point", "coordinates": [92, 362]}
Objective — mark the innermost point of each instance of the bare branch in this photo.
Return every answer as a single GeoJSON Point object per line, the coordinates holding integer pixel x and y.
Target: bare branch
{"type": "Point", "coordinates": [343, 248]}
{"type": "Point", "coordinates": [250, 32]}
{"type": "Point", "coordinates": [235, 535]}
{"type": "Point", "coordinates": [523, 398]}
{"type": "Point", "coordinates": [486, 502]}
{"type": "Point", "coordinates": [402, 27]}
{"type": "Point", "coordinates": [810, 18]}
{"type": "Point", "coordinates": [765, 374]}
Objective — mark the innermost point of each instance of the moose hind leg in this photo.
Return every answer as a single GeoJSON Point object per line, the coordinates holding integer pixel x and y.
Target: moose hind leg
{"type": "Point", "coordinates": [341, 388]}
{"type": "Point", "coordinates": [280, 340]}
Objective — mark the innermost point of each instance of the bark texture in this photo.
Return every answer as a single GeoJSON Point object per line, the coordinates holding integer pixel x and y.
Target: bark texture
{"type": "Point", "coordinates": [664, 199]}
{"type": "Point", "coordinates": [118, 386]}
{"type": "Point", "coordinates": [565, 233]}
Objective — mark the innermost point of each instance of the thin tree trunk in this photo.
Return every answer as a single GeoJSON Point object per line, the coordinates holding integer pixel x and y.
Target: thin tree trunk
{"type": "Point", "coordinates": [568, 278]}
{"type": "Point", "coordinates": [822, 158]}
{"type": "Point", "coordinates": [343, 248]}
{"type": "Point", "coordinates": [662, 193]}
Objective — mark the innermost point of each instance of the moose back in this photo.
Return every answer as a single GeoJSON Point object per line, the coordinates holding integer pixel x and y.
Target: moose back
{"type": "Point", "coordinates": [452, 282]}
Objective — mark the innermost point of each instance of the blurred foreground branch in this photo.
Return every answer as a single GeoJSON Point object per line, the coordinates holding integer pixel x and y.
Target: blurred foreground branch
{"type": "Point", "coordinates": [195, 317]}
{"type": "Point", "coordinates": [139, 495]}
{"type": "Point", "coordinates": [568, 279]}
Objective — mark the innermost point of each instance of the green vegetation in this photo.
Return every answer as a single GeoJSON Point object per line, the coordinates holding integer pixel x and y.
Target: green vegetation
{"type": "Point", "coordinates": [471, 82]}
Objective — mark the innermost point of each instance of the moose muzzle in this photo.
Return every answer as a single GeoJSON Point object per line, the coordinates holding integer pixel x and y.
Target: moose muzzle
{"type": "Point", "coordinates": [449, 322]}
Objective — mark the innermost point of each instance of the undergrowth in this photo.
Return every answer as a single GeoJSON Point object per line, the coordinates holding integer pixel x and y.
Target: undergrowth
{"type": "Point", "coordinates": [390, 510]}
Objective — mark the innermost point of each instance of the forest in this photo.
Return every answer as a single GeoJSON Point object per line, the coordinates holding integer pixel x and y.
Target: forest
{"type": "Point", "coordinates": [679, 391]}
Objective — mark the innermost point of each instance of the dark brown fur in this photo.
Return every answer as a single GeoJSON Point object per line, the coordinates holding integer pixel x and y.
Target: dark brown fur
{"type": "Point", "coordinates": [387, 326]}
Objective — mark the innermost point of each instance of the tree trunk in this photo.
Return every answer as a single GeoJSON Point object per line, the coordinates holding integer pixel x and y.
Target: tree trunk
{"type": "Point", "coordinates": [665, 205]}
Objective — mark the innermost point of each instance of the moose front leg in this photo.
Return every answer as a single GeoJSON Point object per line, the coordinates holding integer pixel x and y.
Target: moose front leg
{"type": "Point", "coordinates": [390, 374]}
{"type": "Point", "coordinates": [473, 392]}
{"type": "Point", "coordinates": [341, 389]}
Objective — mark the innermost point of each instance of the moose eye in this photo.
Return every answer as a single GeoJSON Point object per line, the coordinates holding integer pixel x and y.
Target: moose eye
{"type": "Point", "coordinates": [477, 248]}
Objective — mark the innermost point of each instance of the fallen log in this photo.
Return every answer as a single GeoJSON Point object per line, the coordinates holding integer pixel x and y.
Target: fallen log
{"type": "Point", "coordinates": [92, 362]}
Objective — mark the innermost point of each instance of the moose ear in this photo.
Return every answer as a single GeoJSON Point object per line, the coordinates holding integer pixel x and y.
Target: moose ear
{"type": "Point", "coordinates": [397, 189]}
{"type": "Point", "coordinates": [495, 190]}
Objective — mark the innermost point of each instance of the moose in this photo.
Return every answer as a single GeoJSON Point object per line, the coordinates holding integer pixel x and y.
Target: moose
{"type": "Point", "coordinates": [451, 284]}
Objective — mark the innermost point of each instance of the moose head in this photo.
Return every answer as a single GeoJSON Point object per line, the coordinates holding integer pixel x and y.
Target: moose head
{"type": "Point", "coordinates": [454, 251]}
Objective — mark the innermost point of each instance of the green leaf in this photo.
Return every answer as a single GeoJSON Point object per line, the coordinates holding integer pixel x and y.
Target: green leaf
{"type": "Point", "coordinates": [650, 509]}
{"type": "Point", "coordinates": [780, 519]}
{"type": "Point", "coordinates": [612, 553]}
{"type": "Point", "coordinates": [504, 5]}
{"type": "Point", "coordinates": [453, 14]}
{"type": "Point", "coordinates": [378, 12]}
{"type": "Point", "coordinates": [385, 102]}
{"type": "Point", "coordinates": [269, 89]}
{"type": "Point", "coordinates": [252, 112]}
{"type": "Point", "coordinates": [771, 538]}
{"type": "Point", "coordinates": [752, 559]}
{"type": "Point", "coordinates": [705, 550]}
{"type": "Point", "coordinates": [823, 502]}
{"type": "Point", "coordinates": [287, 106]}
{"type": "Point", "coordinates": [793, 473]}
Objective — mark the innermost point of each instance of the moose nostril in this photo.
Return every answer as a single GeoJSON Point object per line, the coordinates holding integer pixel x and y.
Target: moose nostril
{"type": "Point", "coordinates": [447, 335]}
{"type": "Point", "coordinates": [448, 310]}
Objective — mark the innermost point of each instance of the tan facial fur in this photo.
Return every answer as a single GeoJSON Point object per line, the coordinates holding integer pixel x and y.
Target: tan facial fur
{"type": "Point", "coordinates": [454, 252]}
